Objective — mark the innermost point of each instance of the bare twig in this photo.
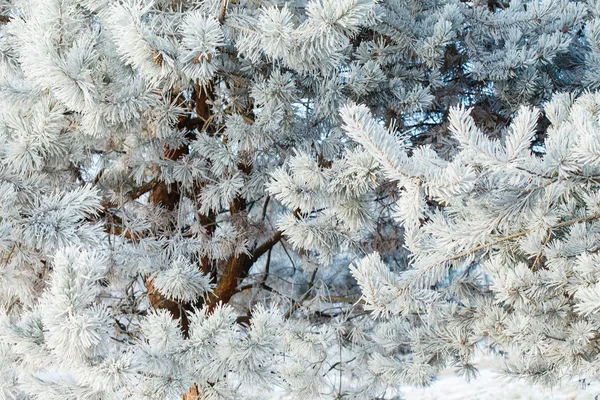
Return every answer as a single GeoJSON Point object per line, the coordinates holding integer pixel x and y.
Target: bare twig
{"type": "Point", "coordinates": [297, 304]}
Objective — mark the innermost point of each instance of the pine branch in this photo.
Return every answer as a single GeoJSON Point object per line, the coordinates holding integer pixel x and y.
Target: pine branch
{"type": "Point", "coordinates": [504, 239]}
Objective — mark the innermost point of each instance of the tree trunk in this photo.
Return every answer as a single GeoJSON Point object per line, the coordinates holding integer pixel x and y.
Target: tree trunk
{"type": "Point", "coordinates": [236, 268]}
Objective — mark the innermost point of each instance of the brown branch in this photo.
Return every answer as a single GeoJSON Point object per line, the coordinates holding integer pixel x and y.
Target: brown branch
{"type": "Point", "coordinates": [265, 275]}
{"type": "Point", "coordinates": [193, 393]}
{"type": "Point", "coordinates": [223, 10]}
{"type": "Point", "coordinates": [158, 301]}
{"type": "Point", "coordinates": [142, 190]}
{"type": "Point", "coordinates": [191, 123]}
{"type": "Point", "coordinates": [168, 196]}
{"type": "Point", "coordinates": [118, 230]}
{"type": "Point", "coordinates": [538, 258]}
{"type": "Point", "coordinates": [266, 246]}
{"type": "Point", "coordinates": [134, 194]}
{"type": "Point", "coordinates": [236, 270]}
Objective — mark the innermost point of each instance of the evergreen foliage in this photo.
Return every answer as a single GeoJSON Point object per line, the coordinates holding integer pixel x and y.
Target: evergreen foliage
{"type": "Point", "coordinates": [211, 199]}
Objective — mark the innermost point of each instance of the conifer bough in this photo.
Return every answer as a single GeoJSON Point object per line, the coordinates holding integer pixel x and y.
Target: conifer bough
{"type": "Point", "coordinates": [212, 199]}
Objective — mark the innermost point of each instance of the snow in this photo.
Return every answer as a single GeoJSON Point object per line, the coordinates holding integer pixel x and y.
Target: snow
{"type": "Point", "coordinates": [490, 386]}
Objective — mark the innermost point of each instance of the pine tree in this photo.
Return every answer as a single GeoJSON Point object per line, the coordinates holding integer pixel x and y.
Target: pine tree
{"type": "Point", "coordinates": [217, 199]}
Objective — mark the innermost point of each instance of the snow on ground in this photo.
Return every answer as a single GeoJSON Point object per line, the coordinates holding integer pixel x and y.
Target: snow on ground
{"type": "Point", "coordinates": [490, 386]}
